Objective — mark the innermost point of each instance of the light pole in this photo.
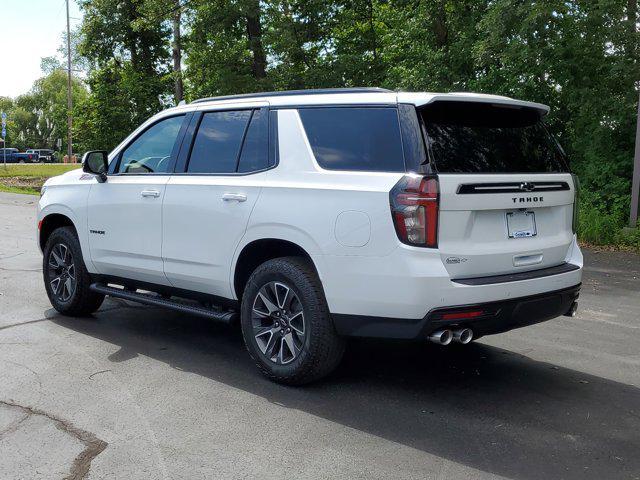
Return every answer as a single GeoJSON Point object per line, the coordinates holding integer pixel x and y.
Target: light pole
{"type": "Point", "coordinates": [69, 97]}
{"type": "Point", "coordinates": [635, 183]}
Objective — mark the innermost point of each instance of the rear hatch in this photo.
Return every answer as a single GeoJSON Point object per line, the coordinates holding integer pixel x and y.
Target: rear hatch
{"type": "Point", "coordinates": [506, 194]}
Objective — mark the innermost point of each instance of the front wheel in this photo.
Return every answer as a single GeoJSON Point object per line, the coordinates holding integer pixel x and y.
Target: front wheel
{"type": "Point", "coordinates": [286, 323]}
{"type": "Point", "coordinates": [66, 279]}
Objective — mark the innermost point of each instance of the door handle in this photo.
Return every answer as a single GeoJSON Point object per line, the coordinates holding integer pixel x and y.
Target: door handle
{"type": "Point", "coordinates": [150, 193]}
{"type": "Point", "coordinates": [238, 197]}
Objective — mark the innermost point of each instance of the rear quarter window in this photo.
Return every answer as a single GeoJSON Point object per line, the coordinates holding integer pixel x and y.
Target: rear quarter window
{"type": "Point", "coordinates": [355, 138]}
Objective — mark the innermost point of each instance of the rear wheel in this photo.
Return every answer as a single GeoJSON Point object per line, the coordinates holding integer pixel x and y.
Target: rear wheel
{"type": "Point", "coordinates": [66, 278]}
{"type": "Point", "coordinates": [286, 323]}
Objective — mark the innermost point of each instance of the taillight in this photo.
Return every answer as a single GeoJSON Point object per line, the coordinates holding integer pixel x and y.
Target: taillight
{"type": "Point", "coordinates": [414, 207]}
{"type": "Point", "coordinates": [576, 203]}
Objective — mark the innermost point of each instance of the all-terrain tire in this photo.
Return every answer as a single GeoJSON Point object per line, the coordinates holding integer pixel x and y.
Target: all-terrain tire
{"type": "Point", "coordinates": [81, 301]}
{"type": "Point", "coordinates": [321, 348]}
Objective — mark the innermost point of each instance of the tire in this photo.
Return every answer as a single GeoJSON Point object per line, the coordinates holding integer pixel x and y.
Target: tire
{"type": "Point", "coordinates": [70, 294]}
{"type": "Point", "coordinates": [294, 293]}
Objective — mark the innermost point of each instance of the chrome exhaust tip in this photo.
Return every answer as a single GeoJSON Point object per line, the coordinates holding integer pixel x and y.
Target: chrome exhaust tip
{"type": "Point", "coordinates": [441, 337]}
{"type": "Point", "coordinates": [572, 310]}
{"type": "Point", "coordinates": [463, 336]}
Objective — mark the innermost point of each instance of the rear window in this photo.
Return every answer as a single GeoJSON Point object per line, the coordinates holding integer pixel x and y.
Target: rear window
{"type": "Point", "coordinates": [350, 138]}
{"type": "Point", "coordinates": [465, 137]}
{"type": "Point", "coordinates": [217, 143]}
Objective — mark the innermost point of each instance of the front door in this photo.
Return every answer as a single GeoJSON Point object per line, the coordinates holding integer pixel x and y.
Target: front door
{"type": "Point", "coordinates": [125, 212]}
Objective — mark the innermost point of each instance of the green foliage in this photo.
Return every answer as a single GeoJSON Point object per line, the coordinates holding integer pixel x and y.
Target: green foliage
{"type": "Point", "coordinates": [578, 56]}
{"type": "Point", "coordinates": [129, 78]}
{"type": "Point", "coordinates": [38, 118]}
{"type": "Point", "coordinates": [602, 223]}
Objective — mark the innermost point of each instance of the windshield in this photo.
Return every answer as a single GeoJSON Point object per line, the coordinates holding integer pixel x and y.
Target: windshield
{"type": "Point", "coordinates": [466, 137]}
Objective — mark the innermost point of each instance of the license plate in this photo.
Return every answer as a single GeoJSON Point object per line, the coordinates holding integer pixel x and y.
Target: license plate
{"type": "Point", "coordinates": [521, 224]}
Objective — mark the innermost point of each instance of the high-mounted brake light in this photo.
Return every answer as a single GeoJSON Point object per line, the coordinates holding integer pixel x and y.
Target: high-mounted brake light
{"type": "Point", "coordinates": [414, 207]}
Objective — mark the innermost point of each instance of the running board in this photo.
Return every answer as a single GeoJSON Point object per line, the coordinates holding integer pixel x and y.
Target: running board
{"type": "Point", "coordinates": [157, 301]}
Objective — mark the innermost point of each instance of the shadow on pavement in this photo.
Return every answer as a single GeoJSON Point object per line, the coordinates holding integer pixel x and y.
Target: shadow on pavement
{"type": "Point", "coordinates": [485, 407]}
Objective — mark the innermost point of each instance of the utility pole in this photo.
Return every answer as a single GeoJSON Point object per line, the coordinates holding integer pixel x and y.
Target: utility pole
{"type": "Point", "coordinates": [69, 97]}
{"type": "Point", "coordinates": [635, 183]}
{"type": "Point", "coordinates": [632, 17]}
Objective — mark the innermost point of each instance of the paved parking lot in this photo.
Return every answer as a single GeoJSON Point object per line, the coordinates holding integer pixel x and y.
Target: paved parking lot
{"type": "Point", "coordinates": [139, 392]}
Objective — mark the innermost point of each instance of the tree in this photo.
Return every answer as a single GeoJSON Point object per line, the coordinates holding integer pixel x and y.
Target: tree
{"type": "Point", "coordinates": [129, 75]}
{"type": "Point", "coordinates": [38, 118]}
{"type": "Point", "coordinates": [225, 48]}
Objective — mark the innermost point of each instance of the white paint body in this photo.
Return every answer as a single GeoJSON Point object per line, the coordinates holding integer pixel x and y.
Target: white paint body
{"type": "Point", "coordinates": [188, 237]}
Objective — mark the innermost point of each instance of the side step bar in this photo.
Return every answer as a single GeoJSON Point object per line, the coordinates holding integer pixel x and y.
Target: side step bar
{"type": "Point", "coordinates": [157, 301]}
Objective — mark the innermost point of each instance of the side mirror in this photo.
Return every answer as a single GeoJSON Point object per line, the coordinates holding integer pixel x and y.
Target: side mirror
{"type": "Point", "coordinates": [97, 163]}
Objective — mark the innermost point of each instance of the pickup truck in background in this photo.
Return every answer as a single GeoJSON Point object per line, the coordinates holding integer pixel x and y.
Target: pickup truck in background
{"type": "Point", "coordinates": [44, 155]}
{"type": "Point", "coordinates": [13, 155]}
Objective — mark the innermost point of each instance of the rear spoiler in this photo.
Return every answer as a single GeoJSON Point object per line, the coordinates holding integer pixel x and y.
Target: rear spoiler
{"type": "Point", "coordinates": [479, 98]}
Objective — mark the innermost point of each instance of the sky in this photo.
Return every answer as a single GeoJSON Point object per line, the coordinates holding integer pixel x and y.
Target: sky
{"type": "Point", "coordinates": [29, 30]}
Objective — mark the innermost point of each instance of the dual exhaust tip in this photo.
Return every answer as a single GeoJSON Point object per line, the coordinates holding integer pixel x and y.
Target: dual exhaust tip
{"type": "Point", "coordinates": [445, 337]}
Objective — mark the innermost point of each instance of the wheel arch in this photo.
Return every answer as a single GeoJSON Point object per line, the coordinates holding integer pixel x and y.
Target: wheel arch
{"type": "Point", "coordinates": [259, 251]}
{"type": "Point", "coordinates": [49, 223]}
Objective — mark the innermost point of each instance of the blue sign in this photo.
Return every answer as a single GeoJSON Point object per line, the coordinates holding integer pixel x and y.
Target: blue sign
{"type": "Point", "coordinates": [4, 132]}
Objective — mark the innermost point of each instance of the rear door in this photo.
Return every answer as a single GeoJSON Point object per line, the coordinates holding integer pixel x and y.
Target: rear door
{"type": "Point", "coordinates": [506, 196]}
{"type": "Point", "coordinates": [209, 199]}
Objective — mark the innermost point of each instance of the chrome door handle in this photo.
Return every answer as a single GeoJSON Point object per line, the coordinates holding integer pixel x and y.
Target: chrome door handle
{"type": "Point", "coordinates": [150, 193]}
{"type": "Point", "coordinates": [238, 197]}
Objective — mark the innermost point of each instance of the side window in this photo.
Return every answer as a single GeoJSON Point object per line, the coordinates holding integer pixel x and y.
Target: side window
{"type": "Point", "coordinates": [355, 138]}
{"type": "Point", "coordinates": [415, 153]}
{"type": "Point", "coordinates": [217, 142]}
{"type": "Point", "coordinates": [255, 149]}
{"type": "Point", "coordinates": [151, 151]}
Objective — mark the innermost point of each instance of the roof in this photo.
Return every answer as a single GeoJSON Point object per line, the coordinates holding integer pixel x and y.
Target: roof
{"type": "Point", "coordinates": [369, 96]}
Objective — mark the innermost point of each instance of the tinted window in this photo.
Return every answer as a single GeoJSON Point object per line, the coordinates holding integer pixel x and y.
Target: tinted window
{"type": "Point", "coordinates": [255, 149]}
{"type": "Point", "coordinates": [217, 143]}
{"type": "Point", "coordinates": [464, 137]}
{"type": "Point", "coordinates": [348, 138]}
{"type": "Point", "coordinates": [151, 151]}
{"type": "Point", "coordinates": [415, 154]}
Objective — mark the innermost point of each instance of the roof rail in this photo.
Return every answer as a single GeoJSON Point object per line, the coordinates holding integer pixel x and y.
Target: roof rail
{"type": "Point", "coordinates": [283, 93]}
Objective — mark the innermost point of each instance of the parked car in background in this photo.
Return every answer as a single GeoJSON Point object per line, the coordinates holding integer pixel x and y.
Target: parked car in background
{"type": "Point", "coordinates": [45, 155]}
{"type": "Point", "coordinates": [13, 155]}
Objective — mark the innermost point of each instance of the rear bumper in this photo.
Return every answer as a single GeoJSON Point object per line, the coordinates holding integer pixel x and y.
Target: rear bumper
{"type": "Point", "coordinates": [500, 316]}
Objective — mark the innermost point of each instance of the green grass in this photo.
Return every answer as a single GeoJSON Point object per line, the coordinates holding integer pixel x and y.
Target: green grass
{"type": "Point", "coordinates": [28, 191]}
{"type": "Point", "coordinates": [25, 178]}
{"type": "Point", "coordinates": [35, 170]}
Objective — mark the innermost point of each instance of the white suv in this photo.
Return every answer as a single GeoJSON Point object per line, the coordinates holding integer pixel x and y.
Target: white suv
{"type": "Point", "coordinates": [311, 216]}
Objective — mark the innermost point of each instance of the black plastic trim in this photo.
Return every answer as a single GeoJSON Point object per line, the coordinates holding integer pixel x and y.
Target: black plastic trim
{"type": "Point", "coordinates": [516, 277]}
{"type": "Point", "coordinates": [158, 301]}
{"type": "Point", "coordinates": [290, 93]}
{"type": "Point", "coordinates": [511, 187]}
{"type": "Point", "coordinates": [501, 316]}
{"type": "Point", "coordinates": [166, 290]}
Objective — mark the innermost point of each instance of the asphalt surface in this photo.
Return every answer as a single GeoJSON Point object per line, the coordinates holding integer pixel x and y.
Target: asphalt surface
{"type": "Point", "coordinates": [139, 392]}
